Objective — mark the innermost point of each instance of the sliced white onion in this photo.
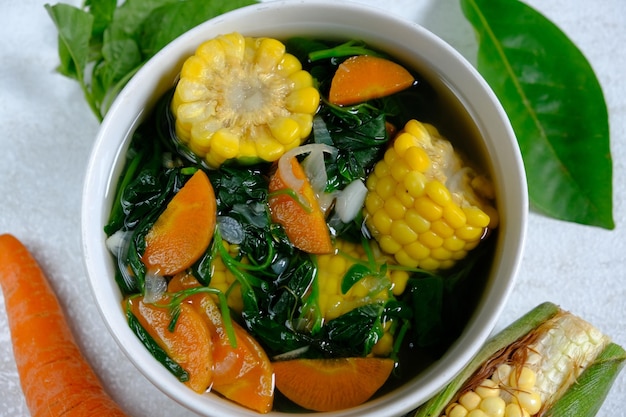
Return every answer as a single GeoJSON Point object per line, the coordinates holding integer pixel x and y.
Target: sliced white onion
{"type": "Point", "coordinates": [350, 201]}
{"type": "Point", "coordinates": [325, 200]}
{"type": "Point", "coordinates": [315, 170]}
{"type": "Point", "coordinates": [284, 163]}
{"type": "Point", "coordinates": [155, 287]}
{"type": "Point", "coordinates": [292, 354]}
{"type": "Point", "coordinates": [320, 130]}
{"type": "Point", "coordinates": [118, 243]}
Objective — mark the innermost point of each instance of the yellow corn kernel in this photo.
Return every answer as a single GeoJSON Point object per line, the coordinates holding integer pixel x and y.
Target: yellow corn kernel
{"type": "Point", "coordinates": [399, 280]}
{"type": "Point", "coordinates": [417, 251]}
{"type": "Point", "coordinates": [285, 130]}
{"type": "Point", "coordinates": [212, 52]}
{"type": "Point", "coordinates": [403, 258]}
{"type": "Point", "coordinates": [225, 144]}
{"type": "Point", "coordinates": [304, 100]}
{"type": "Point", "coordinates": [305, 121]}
{"type": "Point", "coordinates": [441, 254]}
{"type": "Point", "coordinates": [267, 148]}
{"type": "Point", "coordinates": [402, 233]}
{"type": "Point", "coordinates": [402, 142]}
{"type": "Point", "coordinates": [389, 245]}
{"type": "Point", "coordinates": [418, 130]}
{"type": "Point", "coordinates": [476, 217]}
{"type": "Point", "coordinates": [430, 239]}
{"type": "Point", "coordinates": [234, 46]}
{"type": "Point", "coordinates": [470, 400]}
{"type": "Point", "coordinates": [469, 233]}
{"type": "Point", "coordinates": [454, 215]}
{"type": "Point", "coordinates": [394, 208]}
{"type": "Point", "coordinates": [390, 157]}
{"type": "Point", "coordinates": [381, 222]}
{"type": "Point", "coordinates": [399, 170]}
{"type": "Point", "coordinates": [427, 208]}
{"type": "Point", "coordinates": [384, 346]}
{"type": "Point", "coordinates": [385, 187]}
{"type": "Point", "coordinates": [524, 379]}
{"type": "Point", "coordinates": [288, 65]}
{"type": "Point", "coordinates": [417, 159]}
{"type": "Point", "coordinates": [493, 406]}
{"type": "Point", "coordinates": [404, 196]}
{"type": "Point", "coordinates": [515, 410]}
{"type": "Point", "coordinates": [269, 54]}
{"type": "Point", "coordinates": [438, 193]}
{"type": "Point", "coordinates": [415, 183]}
{"type": "Point", "coordinates": [301, 79]}
{"type": "Point", "coordinates": [373, 202]}
{"type": "Point", "coordinates": [416, 222]}
{"type": "Point", "coordinates": [457, 410]}
{"type": "Point", "coordinates": [250, 90]}
{"type": "Point", "coordinates": [488, 388]}
{"type": "Point", "coordinates": [381, 170]}
{"type": "Point", "coordinates": [530, 401]}
{"type": "Point", "coordinates": [442, 228]}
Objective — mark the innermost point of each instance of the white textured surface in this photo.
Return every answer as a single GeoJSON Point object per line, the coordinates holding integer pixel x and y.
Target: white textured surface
{"type": "Point", "coordinates": [47, 131]}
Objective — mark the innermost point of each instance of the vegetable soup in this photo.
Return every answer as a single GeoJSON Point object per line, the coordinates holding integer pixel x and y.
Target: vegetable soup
{"type": "Point", "coordinates": [306, 202]}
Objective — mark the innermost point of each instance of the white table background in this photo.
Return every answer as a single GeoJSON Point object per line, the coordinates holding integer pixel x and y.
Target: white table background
{"type": "Point", "coordinates": [46, 132]}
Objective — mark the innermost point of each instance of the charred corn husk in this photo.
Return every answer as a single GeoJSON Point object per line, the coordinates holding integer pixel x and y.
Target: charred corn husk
{"type": "Point", "coordinates": [534, 368]}
{"type": "Point", "coordinates": [243, 98]}
{"type": "Point", "coordinates": [424, 205]}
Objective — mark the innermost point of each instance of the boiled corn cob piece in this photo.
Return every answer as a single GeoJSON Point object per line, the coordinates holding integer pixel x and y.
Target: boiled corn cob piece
{"type": "Point", "coordinates": [242, 98]}
{"type": "Point", "coordinates": [528, 375]}
{"type": "Point", "coordinates": [424, 205]}
{"type": "Point", "coordinates": [331, 270]}
{"type": "Point", "coordinates": [369, 289]}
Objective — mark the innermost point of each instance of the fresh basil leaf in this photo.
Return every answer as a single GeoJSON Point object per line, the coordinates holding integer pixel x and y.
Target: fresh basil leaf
{"type": "Point", "coordinates": [556, 107]}
{"type": "Point", "coordinates": [166, 23]}
{"type": "Point", "coordinates": [121, 53]}
{"type": "Point", "coordinates": [129, 17]}
{"type": "Point", "coordinates": [74, 31]}
{"type": "Point", "coordinates": [102, 12]}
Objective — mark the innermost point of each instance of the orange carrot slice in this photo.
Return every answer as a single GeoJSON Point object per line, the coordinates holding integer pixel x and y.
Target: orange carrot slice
{"type": "Point", "coordinates": [244, 373]}
{"type": "Point", "coordinates": [189, 344]}
{"type": "Point", "coordinates": [331, 384]}
{"type": "Point", "coordinates": [303, 220]}
{"type": "Point", "coordinates": [55, 377]}
{"type": "Point", "coordinates": [182, 233]}
{"type": "Point", "coordinates": [364, 77]}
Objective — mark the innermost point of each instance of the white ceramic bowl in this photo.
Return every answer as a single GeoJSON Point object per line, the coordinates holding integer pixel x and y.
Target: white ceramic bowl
{"type": "Point", "coordinates": [410, 42]}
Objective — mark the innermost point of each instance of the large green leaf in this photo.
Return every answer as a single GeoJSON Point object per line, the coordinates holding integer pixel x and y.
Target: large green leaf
{"type": "Point", "coordinates": [556, 107]}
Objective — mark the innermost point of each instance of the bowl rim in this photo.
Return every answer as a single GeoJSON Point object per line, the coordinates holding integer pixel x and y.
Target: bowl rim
{"type": "Point", "coordinates": [457, 72]}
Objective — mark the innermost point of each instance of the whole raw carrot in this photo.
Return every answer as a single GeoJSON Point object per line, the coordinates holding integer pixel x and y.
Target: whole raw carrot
{"type": "Point", "coordinates": [55, 377]}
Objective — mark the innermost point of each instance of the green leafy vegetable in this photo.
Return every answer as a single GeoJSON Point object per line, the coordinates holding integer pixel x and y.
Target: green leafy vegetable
{"type": "Point", "coordinates": [102, 45]}
{"type": "Point", "coordinates": [155, 350]}
{"type": "Point", "coordinates": [556, 107]}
